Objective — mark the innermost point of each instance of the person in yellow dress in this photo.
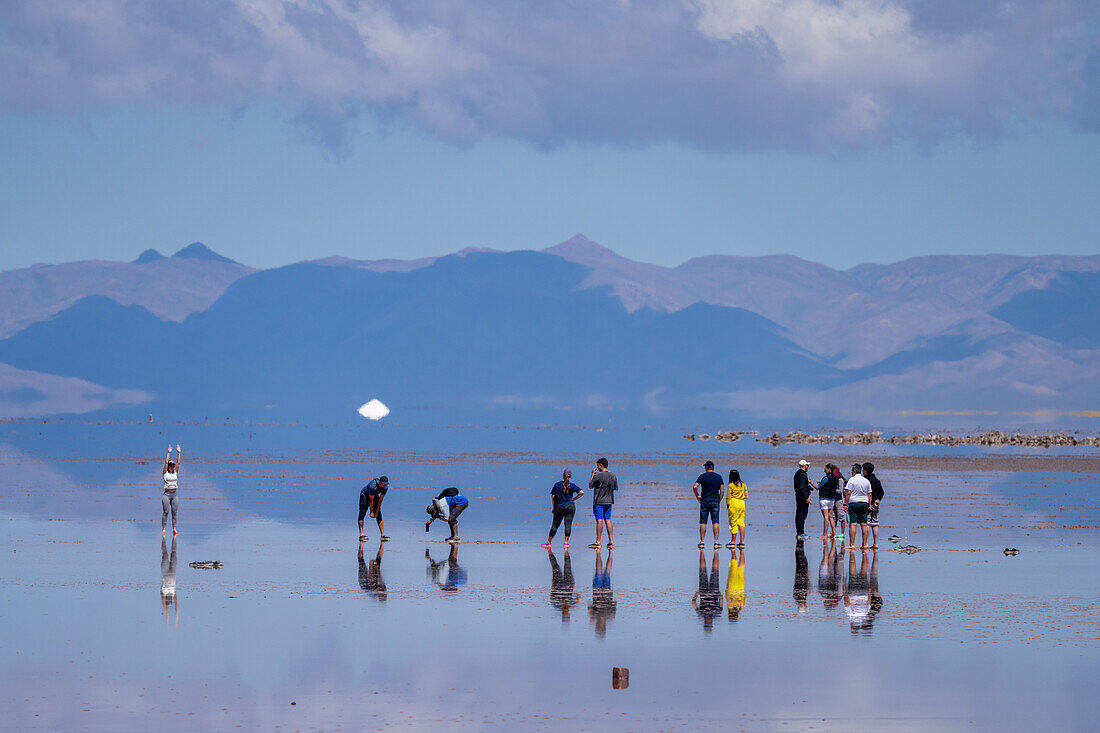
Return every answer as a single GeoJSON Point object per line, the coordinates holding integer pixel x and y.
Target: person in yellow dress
{"type": "Point", "coordinates": [736, 495]}
{"type": "Point", "coordinates": [735, 585]}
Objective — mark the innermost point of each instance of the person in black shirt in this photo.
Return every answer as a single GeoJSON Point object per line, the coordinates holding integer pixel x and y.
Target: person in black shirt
{"type": "Point", "coordinates": [709, 490]}
{"type": "Point", "coordinates": [876, 496]}
{"type": "Point", "coordinates": [802, 491]}
{"type": "Point", "coordinates": [827, 495]}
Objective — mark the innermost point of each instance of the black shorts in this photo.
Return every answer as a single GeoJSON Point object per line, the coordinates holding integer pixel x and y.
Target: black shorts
{"type": "Point", "coordinates": [456, 510]}
{"type": "Point", "coordinates": [364, 505]}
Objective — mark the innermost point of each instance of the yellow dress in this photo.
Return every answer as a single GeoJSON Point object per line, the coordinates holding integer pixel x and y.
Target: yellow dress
{"type": "Point", "coordinates": [735, 506]}
{"type": "Point", "coordinates": [735, 586]}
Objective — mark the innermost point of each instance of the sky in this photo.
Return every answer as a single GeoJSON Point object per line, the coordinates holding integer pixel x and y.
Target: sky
{"type": "Point", "coordinates": [842, 131]}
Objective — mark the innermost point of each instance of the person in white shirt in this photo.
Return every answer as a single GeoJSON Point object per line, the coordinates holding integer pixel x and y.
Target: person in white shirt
{"type": "Point", "coordinates": [857, 494]}
{"type": "Point", "coordinates": [168, 500]}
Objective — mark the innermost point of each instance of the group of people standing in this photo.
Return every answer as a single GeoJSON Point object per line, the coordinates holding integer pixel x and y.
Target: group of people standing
{"type": "Point", "coordinates": [844, 501]}
{"type": "Point", "coordinates": [854, 501]}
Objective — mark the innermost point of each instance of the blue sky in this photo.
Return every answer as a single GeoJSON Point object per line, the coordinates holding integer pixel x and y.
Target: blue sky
{"type": "Point", "coordinates": [281, 130]}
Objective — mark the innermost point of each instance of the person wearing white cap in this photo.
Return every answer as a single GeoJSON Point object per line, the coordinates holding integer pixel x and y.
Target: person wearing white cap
{"type": "Point", "coordinates": [802, 492]}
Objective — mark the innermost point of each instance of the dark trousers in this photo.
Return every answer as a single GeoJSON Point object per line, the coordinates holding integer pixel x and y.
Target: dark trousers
{"type": "Point", "coordinates": [801, 509]}
{"type": "Point", "coordinates": [565, 514]}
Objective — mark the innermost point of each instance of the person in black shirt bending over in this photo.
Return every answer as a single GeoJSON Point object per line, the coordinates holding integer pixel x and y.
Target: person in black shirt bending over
{"type": "Point", "coordinates": [709, 490]}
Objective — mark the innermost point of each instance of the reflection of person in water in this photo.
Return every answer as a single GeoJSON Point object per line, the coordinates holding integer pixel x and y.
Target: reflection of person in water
{"type": "Point", "coordinates": [801, 576]}
{"type": "Point", "coordinates": [829, 574]}
{"type": "Point", "coordinates": [562, 596]}
{"type": "Point", "coordinates": [168, 596]}
{"type": "Point", "coordinates": [456, 574]}
{"type": "Point", "coordinates": [861, 599]}
{"type": "Point", "coordinates": [602, 608]}
{"type": "Point", "coordinates": [735, 585]}
{"type": "Point", "coordinates": [370, 575]}
{"type": "Point", "coordinates": [873, 592]}
{"type": "Point", "coordinates": [707, 601]}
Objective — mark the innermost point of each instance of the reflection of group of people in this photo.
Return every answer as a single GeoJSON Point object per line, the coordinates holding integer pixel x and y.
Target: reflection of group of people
{"type": "Point", "coordinates": [563, 595]}
{"type": "Point", "coordinates": [859, 591]}
{"type": "Point", "coordinates": [854, 501]}
{"type": "Point", "coordinates": [708, 600]}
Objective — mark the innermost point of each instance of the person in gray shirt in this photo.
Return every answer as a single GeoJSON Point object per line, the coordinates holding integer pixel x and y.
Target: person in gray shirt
{"type": "Point", "coordinates": [603, 484]}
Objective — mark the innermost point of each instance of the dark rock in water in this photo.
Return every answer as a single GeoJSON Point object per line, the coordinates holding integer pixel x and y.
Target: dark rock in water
{"type": "Point", "coordinates": [206, 564]}
{"type": "Point", "coordinates": [620, 678]}
{"type": "Point", "coordinates": [894, 538]}
{"type": "Point", "coordinates": [1011, 551]}
{"type": "Point", "coordinates": [689, 436]}
{"type": "Point", "coordinates": [907, 549]}
{"type": "Point", "coordinates": [988, 438]}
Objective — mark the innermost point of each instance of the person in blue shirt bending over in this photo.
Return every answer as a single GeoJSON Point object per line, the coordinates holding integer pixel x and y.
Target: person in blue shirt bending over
{"type": "Point", "coordinates": [562, 497]}
{"type": "Point", "coordinates": [709, 491]}
{"type": "Point", "coordinates": [370, 500]}
{"type": "Point", "coordinates": [447, 506]}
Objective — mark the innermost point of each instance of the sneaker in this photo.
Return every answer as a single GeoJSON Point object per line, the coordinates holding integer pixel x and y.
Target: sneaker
{"type": "Point", "coordinates": [546, 545]}
{"type": "Point", "coordinates": [385, 538]}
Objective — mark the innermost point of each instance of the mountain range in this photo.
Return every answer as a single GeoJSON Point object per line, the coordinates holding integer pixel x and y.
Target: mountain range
{"type": "Point", "coordinates": [575, 326]}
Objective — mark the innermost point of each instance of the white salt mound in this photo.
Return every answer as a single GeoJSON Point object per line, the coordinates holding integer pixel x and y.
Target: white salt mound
{"type": "Point", "coordinates": [374, 410]}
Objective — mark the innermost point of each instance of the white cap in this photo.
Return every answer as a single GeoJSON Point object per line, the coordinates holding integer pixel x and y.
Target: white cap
{"type": "Point", "coordinates": [803, 462]}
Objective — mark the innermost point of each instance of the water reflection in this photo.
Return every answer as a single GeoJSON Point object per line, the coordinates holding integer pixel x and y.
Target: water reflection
{"type": "Point", "coordinates": [603, 606]}
{"type": "Point", "coordinates": [801, 576]}
{"type": "Point", "coordinates": [735, 584]}
{"type": "Point", "coordinates": [370, 574]}
{"type": "Point", "coordinates": [862, 600]}
{"type": "Point", "coordinates": [562, 586]}
{"type": "Point", "coordinates": [169, 600]}
{"type": "Point", "coordinates": [455, 575]}
{"type": "Point", "coordinates": [830, 576]}
{"type": "Point", "coordinates": [707, 601]}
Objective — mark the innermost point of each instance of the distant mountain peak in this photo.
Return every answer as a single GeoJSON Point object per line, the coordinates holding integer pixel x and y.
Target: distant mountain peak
{"type": "Point", "coordinates": [199, 251]}
{"type": "Point", "coordinates": [149, 255]}
{"type": "Point", "coordinates": [580, 248]}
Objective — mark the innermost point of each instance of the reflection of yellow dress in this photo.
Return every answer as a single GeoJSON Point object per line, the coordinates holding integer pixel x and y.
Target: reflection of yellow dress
{"type": "Point", "coordinates": [735, 586]}
{"type": "Point", "coordinates": [735, 506]}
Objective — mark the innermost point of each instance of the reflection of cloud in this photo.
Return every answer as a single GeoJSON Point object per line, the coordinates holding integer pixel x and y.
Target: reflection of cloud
{"type": "Point", "coordinates": [27, 394]}
{"type": "Point", "coordinates": [34, 487]}
{"type": "Point", "coordinates": [722, 73]}
{"type": "Point", "coordinates": [374, 410]}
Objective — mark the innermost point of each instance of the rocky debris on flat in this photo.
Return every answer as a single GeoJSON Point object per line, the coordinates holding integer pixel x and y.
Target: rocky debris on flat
{"type": "Point", "coordinates": [987, 438]}
{"type": "Point", "coordinates": [1011, 551]}
{"type": "Point", "coordinates": [207, 564]}
{"type": "Point", "coordinates": [907, 549]}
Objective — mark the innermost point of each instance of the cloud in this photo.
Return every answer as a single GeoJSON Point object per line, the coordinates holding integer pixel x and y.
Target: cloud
{"type": "Point", "coordinates": [726, 74]}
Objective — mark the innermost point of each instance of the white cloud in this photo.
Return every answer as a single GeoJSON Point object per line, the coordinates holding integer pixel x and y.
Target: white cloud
{"type": "Point", "coordinates": [800, 74]}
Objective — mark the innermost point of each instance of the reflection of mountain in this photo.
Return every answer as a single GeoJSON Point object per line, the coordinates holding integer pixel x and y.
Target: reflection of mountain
{"type": "Point", "coordinates": [576, 325]}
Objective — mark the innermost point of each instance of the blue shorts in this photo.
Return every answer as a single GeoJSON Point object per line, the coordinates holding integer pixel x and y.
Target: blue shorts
{"type": "Point", "coordinates": [602, 511]}
{"type": "Point", "coordinates": [708, 510]}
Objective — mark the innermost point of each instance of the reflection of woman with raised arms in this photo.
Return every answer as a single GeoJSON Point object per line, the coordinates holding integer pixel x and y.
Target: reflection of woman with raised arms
{"type": "Point", "coordinates": [168, 499]}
